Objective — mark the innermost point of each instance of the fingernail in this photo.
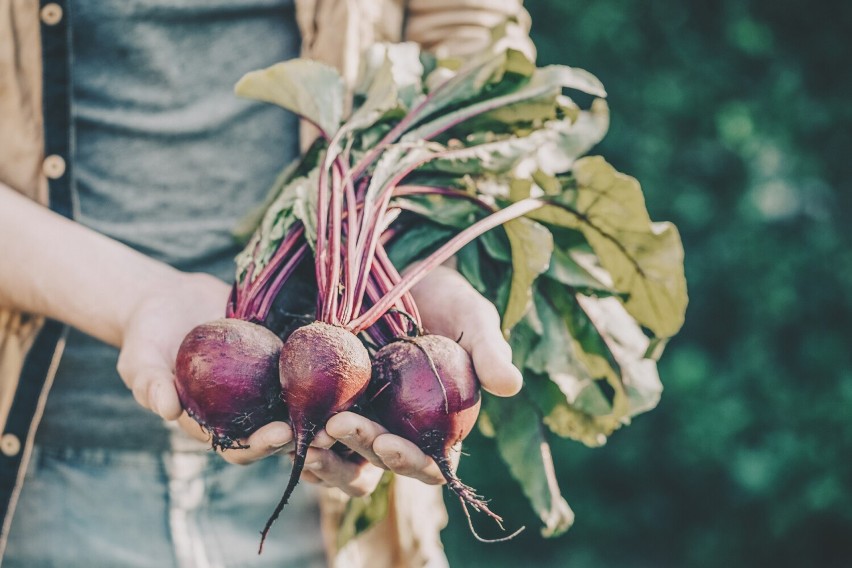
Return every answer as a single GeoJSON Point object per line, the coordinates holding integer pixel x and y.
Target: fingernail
{"type": "Point", "coordinates": [313, 466]}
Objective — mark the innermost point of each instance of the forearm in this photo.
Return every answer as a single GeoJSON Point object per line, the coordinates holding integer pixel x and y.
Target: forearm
{"type": "Point", "coordinates": [60, 269]}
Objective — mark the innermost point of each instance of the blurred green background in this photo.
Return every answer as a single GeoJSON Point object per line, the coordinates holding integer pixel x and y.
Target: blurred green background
{"type": "Point", "coordinates": [736, 117]}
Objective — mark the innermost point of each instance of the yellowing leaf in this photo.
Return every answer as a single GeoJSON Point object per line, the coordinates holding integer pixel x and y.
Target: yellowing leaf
{"type": "Point", "coordinates": [532, 245]}
{"type": "Point", "coordinates": [645, 259]}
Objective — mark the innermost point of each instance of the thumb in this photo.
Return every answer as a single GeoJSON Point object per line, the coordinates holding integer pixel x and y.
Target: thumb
{"type": "Point", "coordinates": [150, 378]}
{"type": "Point", "coordinates": [450, 306]}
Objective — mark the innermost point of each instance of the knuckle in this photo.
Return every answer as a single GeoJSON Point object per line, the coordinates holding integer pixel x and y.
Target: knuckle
{"type": "Point", "coordinates": [487, 311]}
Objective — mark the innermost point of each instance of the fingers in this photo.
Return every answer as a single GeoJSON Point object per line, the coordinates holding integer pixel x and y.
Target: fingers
{"type": "Point", "coordinates": [154, 389]}
{"type": "Point", "coordinates": [451, 307]}
{"type": "Point", "coordinates": [405, 458]}
{"type": "Point", "coordinates": [492, 359]}
{"type": "Point", "coordinates": [147, 372]}
{"type": "Point", "coordinates": [357, 433]}
{"type": "Point", "coordinates": [328, 468]}
{"type": "Point", "coordinates": [381, 449]}
{"type": "Point", "coordinates": [270, 439]}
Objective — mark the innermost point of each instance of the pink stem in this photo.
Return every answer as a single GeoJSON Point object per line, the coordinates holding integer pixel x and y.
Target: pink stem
{"type": "Point", "coordinates": [441, 255]}
{"type": "Point", "coordinates": [408, 120]}
{"type": "Point", "coordinates": [378, 285]}
{"type": "Point", "coordinates": [351, 239]}
{"type": "Point", "coordinates": [403, 190]}
{"type": "Point", "coordinates": [371, 227]}
{"type": "Point", "coordinates": [322, 229]}
{"type": "Point", "coordinates": [407, 300]}
{"type": "Point", "coordinates": [333, 294]}
{"type": "Point", "coordinates": [256, 288]}
{"type": "Point", "coordinates": [286, 271]}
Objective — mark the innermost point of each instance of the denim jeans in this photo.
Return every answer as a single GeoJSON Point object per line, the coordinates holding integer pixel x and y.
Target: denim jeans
{"type": "Point", "coordinates": [97, 508]}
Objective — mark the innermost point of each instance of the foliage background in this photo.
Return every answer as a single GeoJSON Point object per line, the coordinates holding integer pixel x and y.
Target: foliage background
{"type": "Point", "coordinates": [735, 117]}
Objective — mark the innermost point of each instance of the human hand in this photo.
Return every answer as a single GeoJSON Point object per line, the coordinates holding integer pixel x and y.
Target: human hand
{"type": "Point", "coordinates": [151, 337]}
{"type": "Point", "coordinates": [458, 311]}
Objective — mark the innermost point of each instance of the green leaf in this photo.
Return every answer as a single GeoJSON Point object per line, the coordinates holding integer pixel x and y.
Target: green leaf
{"type": "Point", "coordinates": [416, 242]}
{"type": "Point", "coordinates": [532, 245]}
{"type": "Point", "coordinates": [442, 210]}
{"type": "Point", "coordinates": [645, 259]}
{"type": "Point", "coordinates": [390, 80]}
{"type": "Point", "coordinates": [296, 201]}
{"type": "Point", "coordinates": [472, 79]}
{"type": "Point", "coordinates": [559, 356]}
{"type": "Point", "coordinates": [497, 157]}
{"type": "Point", "coordinates": [469, 265]}
{"type": "Point", "coordinates": [628, 346]}
{"type": "Point", "coordinates": [305, 204]}
{"type": "Point", "coordinates": [362, 513]}
{"type": "Point", "coordinates": [580, 270]}
{"type": "Point", "coordinates": [545, 81]}
{"type": "Point", "coordinates": [312, 90]}
{"type": "Point", "coordinates": [246, 226]}
{"type": "Point", "coordinates": [522, 444]}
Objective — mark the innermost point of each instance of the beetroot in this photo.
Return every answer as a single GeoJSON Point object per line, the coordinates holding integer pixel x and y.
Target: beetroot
{"type": "Point", "coordinates": [425, 390]}
{"type": "Point", "coordinates": [227, 379]}
{"type": "Point", "coordinates": [324, 370]}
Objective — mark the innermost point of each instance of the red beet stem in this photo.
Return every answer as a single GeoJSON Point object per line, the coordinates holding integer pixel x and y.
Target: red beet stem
{"type": "Point", "coordinates": [440, 256]}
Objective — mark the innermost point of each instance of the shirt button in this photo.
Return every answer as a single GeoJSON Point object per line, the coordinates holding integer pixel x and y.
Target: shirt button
{"type": "Point", "coordinates": [51, 14]}
{"type": "Point", "coordinates": [53, 166]}
{"type": "Point", "coordinates": [10, 445]}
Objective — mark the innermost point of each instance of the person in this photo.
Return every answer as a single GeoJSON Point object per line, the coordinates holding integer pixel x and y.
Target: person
{"type": "Point", "coordinates": [120, 117]}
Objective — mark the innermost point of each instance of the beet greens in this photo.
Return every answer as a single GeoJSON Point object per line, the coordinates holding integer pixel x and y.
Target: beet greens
{"type": "Point", "coordinates": [589, 288]}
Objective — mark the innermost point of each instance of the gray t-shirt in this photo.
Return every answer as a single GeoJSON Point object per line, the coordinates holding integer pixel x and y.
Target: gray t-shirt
{"type": "Point", "coordinates": [167, 160]}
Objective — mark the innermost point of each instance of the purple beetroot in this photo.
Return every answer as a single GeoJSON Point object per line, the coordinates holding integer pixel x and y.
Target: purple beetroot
{"type": "Point", "coordinates": [425, 389]}
{"type": "Point", "coordinates": [227, 379]}
{"type": "Point", "coordinates": [324, 369]}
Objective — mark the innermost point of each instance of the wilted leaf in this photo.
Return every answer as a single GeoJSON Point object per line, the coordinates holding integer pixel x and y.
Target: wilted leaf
{"type": "Point", "coordinates": [523, 446]}
{"type": "Point", "coordinates": [589, 375]}
{"type": "Point", "coordinates": [559, 356]}
{"type": "Point", "coordinates": [628, 346]}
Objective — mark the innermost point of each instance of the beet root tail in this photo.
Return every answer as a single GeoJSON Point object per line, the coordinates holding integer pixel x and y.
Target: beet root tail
{"type": "Point", "coordinates": [303, 441]}
{"type": "Point", "coordinates": [466, 493]}
{"type": "Point", "coordinates": [468, 496]}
